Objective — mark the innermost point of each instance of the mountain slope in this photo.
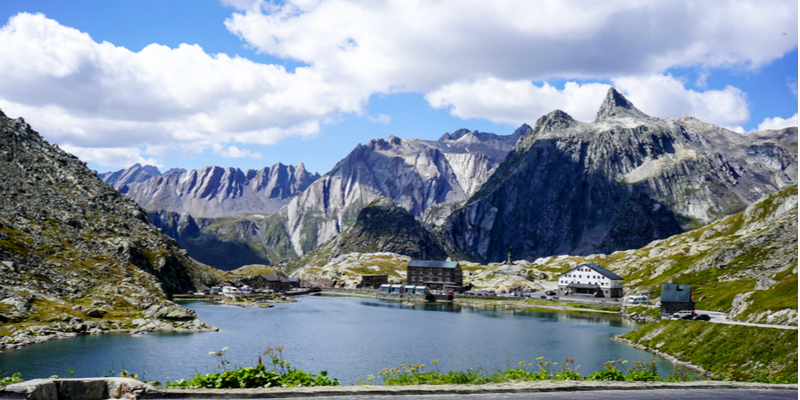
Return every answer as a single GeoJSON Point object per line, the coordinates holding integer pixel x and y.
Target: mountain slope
{"type": "Point", "coordinates": [570, 187]}
{"type": "Point", "coordinates": [414, 174]}
{"type": "Point", "coordinates": [381, 228]}
{"type": "Point", "coordinates": [744, 264]}
{"type": "Point", "coordinates": [77, 254]}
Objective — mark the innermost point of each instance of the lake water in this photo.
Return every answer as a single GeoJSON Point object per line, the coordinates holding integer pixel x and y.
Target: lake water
{"type": "Point", "coordinates": [349, 337]}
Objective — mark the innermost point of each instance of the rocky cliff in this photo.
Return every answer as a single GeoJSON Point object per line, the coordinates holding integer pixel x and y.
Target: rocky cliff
{"type": "Point", "coordinates": [213, 192]}
{"type": "Point", "coordinates": [414, 174]}
{"type": "Point", "coordinates": [620, 182]}
{"type": "Point", "coordinates": [381, 228]}
{"type": "Point", "coordinates": [75, 254]}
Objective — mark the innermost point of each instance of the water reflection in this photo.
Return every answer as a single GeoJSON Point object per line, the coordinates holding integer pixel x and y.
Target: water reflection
{"type": "Point", "coordinates": [424, 306]}
{"type": "Point", "coordinates": [350, 338]}
{"type": "Point", "coordinates": [592, 318]}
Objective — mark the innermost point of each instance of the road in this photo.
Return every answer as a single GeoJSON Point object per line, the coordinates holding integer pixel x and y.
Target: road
{"type": "Point", "coordinates": [656, 394]}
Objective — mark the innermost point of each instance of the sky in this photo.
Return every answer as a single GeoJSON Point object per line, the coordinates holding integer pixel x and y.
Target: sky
{"type": "Point", "coordinates": [251, 83]}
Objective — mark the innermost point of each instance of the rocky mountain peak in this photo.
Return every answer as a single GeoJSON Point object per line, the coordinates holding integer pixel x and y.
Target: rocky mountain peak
{"type": "Point", "coordinates": [455, 135]}
{"type": "Point", "coordinates": [556, 120]}
{"type": "Point", "coordinates": [395, 140]}
{"type": "Point", "coordinates": [616, 105]}
{"type": "Point", "coordinates": [580, 188]}
{"type": "Point", "coordinates": [521, 131]}
{"type": "Point", "coordinates": [125, 177]}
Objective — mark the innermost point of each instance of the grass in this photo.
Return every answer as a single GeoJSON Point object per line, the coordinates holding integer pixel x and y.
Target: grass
{"type": "Point", "coordinates": [731, 352]}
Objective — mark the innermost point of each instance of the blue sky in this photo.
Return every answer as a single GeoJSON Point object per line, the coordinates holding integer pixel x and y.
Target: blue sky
{"type": "Point", "coordinates": [248, 83]}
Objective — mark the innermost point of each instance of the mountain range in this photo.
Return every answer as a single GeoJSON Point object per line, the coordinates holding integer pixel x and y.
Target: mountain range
{"type": "Point", "coordinates": [561, 187]}
{"type": "Point", "coordinates": [415, 174]}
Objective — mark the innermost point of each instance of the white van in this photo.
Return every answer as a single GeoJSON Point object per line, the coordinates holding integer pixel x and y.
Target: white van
{"type": "Point", "coordinates": [638, 299]}
{"type": "Point", "coordinates": [683, 313]}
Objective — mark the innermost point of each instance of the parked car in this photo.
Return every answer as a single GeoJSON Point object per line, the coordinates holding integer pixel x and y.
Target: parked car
{"type": "Point", "coordinates": [550, 293]}
{"type": "Point", "coordinates": [542, 297]}
{"type": "Point", "coordinates": [683, 313]}
{"type": "Point", "coordinates": [450, 292]}
{"type": "Point", "coordinates": [702, 317]}
{"type": "Point", "coordinates": [688, 317]}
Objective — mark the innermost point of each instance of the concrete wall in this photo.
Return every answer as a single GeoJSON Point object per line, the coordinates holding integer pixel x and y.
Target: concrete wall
{"type": "Point", "coordinates": [69, 389]}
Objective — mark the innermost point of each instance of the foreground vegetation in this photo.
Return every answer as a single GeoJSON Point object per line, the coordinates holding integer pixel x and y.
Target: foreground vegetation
{"type": "Point", "coordinates": [730, 352]}
{"type": "Point", "coordinates": [279, 374]}
{"type": "Point", "coordinates": [412, 374]}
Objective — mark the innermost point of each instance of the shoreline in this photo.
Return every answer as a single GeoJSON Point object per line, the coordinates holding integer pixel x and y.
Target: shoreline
{"type": "Point", "coordinates": [35, 339]}
{"type": "Point", "coordinates": [705, 373]}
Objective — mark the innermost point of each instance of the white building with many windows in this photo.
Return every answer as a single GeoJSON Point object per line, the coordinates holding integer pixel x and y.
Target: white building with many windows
{"type": "Point", "coordinates": [590, 279]}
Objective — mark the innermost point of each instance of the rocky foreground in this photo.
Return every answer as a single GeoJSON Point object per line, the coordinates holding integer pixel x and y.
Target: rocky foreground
{"type": "Point", "coordinates": [76, 256]}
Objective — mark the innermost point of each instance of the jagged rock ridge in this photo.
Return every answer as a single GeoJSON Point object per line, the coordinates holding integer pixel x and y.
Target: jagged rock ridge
{"type": "Point", "coordinates": [570, 187]}
{"type": "Point", "coordinates": [213, 191]}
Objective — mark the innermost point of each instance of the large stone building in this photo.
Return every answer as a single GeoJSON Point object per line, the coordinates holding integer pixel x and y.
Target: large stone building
{"type": "Point", "coordinates": [441, 275]}
{"type": "Point", "coordinates": [590, 279]}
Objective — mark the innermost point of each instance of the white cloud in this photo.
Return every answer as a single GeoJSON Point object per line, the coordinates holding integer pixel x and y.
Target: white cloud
{"type": "Point", "coordinates": [664, 96]}
{"type": "Point", "coordinates": [234, 152]}
{"type": "Point", "coordinates": [778, 123]}
{"type": "Point", "coordinates": [792, 84]}
{"type": "Point", "coordinates": [382, 118]}
{"type": "Point", "coordinates": [477, 58]}
{"type": "Point", "coordinates": [88, 94]}
{"type": "Point", "coordinates": [401, 45]}
{"type": "Point", "coordinates": [242, 5]}
{"type": "Point", "coordinates": [516, 102]}
{"type": "Point", "coordinates": [113, 157]}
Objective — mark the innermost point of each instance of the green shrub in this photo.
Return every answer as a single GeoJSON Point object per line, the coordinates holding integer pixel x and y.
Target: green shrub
{"type": "Point", "coordinates": [643, 372]}
{"type": "Point", "coordinates": [280, 374]}
{"type": "Point", "coordinates": [606, 375]}
{"type": "Point", "coordinates": [8, 380]}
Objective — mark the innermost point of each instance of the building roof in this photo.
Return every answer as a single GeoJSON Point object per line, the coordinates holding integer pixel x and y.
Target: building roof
{"type": "Point", "coordinates": [600, 270]}
{"type": "Point", "coordinates": [271, 278]}
{"type": "Point", "coordinates": [432, 264]}
{"type": "Point", "coordinates": [674, 293]}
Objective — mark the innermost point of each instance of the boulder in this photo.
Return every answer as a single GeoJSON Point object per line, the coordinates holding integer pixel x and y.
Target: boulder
{"type": "Point", "coordinates": [166, 312]}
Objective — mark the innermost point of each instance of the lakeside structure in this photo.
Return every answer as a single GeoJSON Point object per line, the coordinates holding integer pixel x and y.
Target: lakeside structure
{"type": "Point", "coordinates": [592, 280]}
{"type": "Point", "coordinates": [438, 275]}
{"type": "Point", "coordinates": [675, 297]}
{"type": "Point", "coordinates": [373, 281]}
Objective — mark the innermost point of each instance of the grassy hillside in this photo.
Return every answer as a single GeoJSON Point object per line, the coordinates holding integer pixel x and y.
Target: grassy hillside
{"type": "Point", "coordinates": [736, 352]}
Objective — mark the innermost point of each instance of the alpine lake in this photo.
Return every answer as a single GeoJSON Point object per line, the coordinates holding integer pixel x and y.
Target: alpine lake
{"type": "Point", "coordinates": [349, 337]}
